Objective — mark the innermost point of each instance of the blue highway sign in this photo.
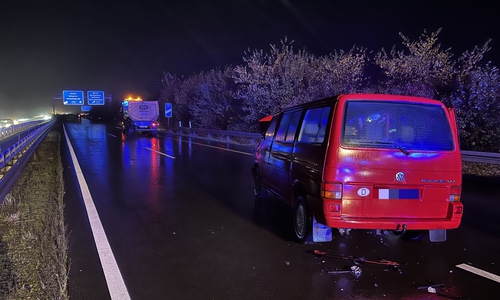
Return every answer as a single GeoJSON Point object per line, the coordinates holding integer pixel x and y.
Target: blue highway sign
{"type": "Point", "coordinates": [95, 97]}
{"type": "Point", "coordinates": [168, 110]}
{"type": "Point", "coordinates": [71, 97]}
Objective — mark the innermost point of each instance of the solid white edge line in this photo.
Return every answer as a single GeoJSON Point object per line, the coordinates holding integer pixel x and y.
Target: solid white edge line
{"type": "Point", "coordinates": [164, 154]}
{"type": "Point", "coordinates": [114, 280]}
{"type": "Point", "coordinates": [479, 272]}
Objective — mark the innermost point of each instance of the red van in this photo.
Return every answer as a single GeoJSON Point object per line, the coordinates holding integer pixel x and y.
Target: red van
{"type": "Point", "coordinates": [364, 161]}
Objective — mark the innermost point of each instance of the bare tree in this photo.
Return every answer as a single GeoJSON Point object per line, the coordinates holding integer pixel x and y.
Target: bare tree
{"type": "Point", "coordinates": [340, 73]}
{"type": "Point", "coordinates": [212, 106]}
{"type": "Point", "coordinates": [422, 70]}
{"type": "Point", "coordinates": [478, 108]}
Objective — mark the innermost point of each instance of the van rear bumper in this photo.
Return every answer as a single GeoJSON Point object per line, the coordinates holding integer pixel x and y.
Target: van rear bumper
{"type": "Point", "coordinates": [393, 224]}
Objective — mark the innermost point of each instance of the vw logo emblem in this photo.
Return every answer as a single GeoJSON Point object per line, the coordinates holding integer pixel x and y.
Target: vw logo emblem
{"type": "Point", "coordinates": [400, 176]}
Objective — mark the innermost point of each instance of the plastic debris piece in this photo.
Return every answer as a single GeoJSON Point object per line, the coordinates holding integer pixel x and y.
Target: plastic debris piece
{"type": "Point", "coordinates": [335, 272]}
{"type": "Point", "coordinates": [431, 290]}
{"type": "Point", "coordinates": [426, 287]}
{"type": "Point", "coordinates": [287, 263]}
{"type": "Point", "coordinates": [356, 271]}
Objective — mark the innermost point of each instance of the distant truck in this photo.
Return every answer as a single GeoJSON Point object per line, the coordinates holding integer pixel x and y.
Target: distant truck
{"type": "Point", "coordinates": [140, 116]}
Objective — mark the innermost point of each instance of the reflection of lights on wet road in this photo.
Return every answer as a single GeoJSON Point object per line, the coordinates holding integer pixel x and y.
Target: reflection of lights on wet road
{"type": "Point", "coordinates": [220, 148]}
{"type": "Point", "coordinates": [345, 285]}
{"type": "Point", "coordinates": [161, 153]}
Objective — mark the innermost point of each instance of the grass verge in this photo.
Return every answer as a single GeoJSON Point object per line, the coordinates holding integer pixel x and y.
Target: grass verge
{"type": "Point", "coordinates": [33, 242]}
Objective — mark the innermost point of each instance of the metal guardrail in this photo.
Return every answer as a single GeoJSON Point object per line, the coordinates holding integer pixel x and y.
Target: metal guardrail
{"type": "Point", "coordinates": [469, 156]}
{"type": "Point", "coordinates": [481, 157]}
{"type": "Point", "coordinates": [16, 147]}
{"type": "Point", "coordinates": [6, 132]}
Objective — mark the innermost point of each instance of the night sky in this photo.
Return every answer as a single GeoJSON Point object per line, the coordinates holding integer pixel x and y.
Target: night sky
{"type": "Point", "coordinates": [123, 47]}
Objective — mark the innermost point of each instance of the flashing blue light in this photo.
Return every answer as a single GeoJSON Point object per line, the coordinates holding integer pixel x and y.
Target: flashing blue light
{"type": "Point", "coordinates": [418, 155]}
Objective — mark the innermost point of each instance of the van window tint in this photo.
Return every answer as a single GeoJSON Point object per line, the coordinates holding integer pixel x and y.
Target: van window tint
{"type": "Point", "coordinates": [292, 127]}
{"type": "Point", "coordinates": [280, 135]}
{"type": "Point", "coordinates": [413, 126]}
{"type": "Point", "coordinates": [314, 125]}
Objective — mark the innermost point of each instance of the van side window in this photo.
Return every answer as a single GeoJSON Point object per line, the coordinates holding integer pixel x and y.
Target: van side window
{"type": "Point", "coordinates": [271, 129]}
{"type": "Point", "coordinates": [280, 135]}
{"type": "Point", "coordinates": [292, 127]}
{"type": "Point", "coordinates": [314, 125]}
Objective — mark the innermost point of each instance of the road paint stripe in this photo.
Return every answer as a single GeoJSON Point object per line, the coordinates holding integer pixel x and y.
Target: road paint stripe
{"type": "Point", "coordinates": [215, 147]}
{"type": "Point", "coordinates": [114, 280]}
{"type": "Point", "coordinates": [112, 135]}
{"type": "Point", "coordinates": [164, 154]}
{"type": "Point", "coordinates": [479, 272]}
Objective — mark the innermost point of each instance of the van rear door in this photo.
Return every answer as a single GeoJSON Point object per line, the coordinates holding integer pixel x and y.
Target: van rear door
{"type": "Point", "coordinates": [397, 159]}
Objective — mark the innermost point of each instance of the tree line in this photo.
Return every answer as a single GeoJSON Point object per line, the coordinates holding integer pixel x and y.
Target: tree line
{"type": "Point", "coordinates": [236, 97]}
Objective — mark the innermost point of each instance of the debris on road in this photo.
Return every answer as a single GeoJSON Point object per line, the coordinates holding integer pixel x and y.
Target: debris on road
{"type": "Point", "coordinates": [426, 287]}
{"type": "Point", "coordinates": [440, 289]}
{"type": "Point", "coordinates": [358, 260]}
{"type": "Point", "coordinates": [355, 270]}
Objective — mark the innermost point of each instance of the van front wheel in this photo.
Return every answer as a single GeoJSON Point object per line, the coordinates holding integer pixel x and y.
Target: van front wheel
{"type": "Point", "coordinates": [301, 220]}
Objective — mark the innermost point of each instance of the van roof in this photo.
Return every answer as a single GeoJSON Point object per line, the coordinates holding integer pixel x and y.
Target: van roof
{"type": "Point", "coordinates": [364, 96]}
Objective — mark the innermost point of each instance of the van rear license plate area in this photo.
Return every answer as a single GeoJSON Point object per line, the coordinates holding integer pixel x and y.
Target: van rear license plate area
{"type": "Point", "coordinates": [387, 194]}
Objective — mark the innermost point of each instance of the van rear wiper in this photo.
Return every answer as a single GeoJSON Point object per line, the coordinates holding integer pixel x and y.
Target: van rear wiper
{"type": "Point", "coordinates": [395, 145]}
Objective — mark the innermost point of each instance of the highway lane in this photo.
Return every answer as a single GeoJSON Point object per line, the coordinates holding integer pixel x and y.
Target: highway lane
{"type": "Point", "coordinates": [179, 216]}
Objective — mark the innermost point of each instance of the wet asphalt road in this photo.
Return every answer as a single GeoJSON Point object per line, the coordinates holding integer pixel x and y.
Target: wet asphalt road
{"type": "Point", "coordinates": [182, 225]}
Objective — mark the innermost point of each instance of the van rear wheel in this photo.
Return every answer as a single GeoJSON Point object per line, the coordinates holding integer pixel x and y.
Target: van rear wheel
{"type": "Point", "coordinates": [301, 220]}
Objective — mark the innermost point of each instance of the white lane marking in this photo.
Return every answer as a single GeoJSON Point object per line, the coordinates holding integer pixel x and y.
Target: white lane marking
{"type": "Point", "coordinates": [164, 154]}
{"type": "Point", "coordinates": [112, 135]}
{"type": "Point", "coordinates": [116, 285]}
{"type": "Point", "coordinates": [479, 272]}
{"type": "Point", "coordinates": [226, 149]}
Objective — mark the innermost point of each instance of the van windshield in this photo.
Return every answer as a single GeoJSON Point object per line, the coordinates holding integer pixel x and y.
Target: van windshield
{"type": "Point", "coordinates": [405, 126]}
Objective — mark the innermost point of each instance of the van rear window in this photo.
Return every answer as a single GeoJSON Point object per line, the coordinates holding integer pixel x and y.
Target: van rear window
{"type": "Point", "coordinates": [412, 126]}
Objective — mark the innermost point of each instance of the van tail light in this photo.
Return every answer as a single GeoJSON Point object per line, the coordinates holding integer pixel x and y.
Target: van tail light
{"type": "Point", "coordinates": [154, 124]}
{"type": "Point", "coordinates": [455, 193]}
{"type": "Point", "coordinates": [331, 190]}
